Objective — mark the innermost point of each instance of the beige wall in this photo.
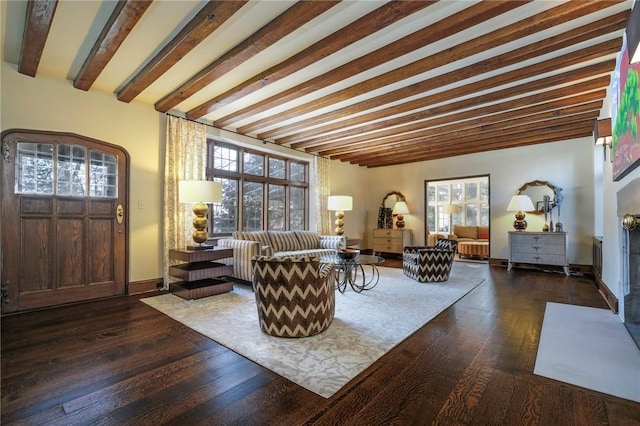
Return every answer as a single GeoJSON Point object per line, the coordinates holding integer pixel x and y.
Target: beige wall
{"type": "Point", "coordinates": [44, 103]}
{"type": "Point", "coordinates": [564, 164]}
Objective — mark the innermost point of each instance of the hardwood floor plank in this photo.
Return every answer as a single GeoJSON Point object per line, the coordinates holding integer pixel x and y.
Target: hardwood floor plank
{"type": "Point", "coordinates": [119, 362]}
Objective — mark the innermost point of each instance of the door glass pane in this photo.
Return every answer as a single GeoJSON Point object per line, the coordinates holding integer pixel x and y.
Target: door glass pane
{"type": "Point", "coordinates": [431, 193]}
{"type": "Point", "coordinates": [484, 214]}
{"type": "Point", "coordinates": [276, 211]}
{"type": "Point", "coordinates": [103, 175]}
{"type": "Point", "coordinates": [277, 168]}
{"type": "Point", "coordinates": [252, 206]}
{"type": "Point", "coordinates": [443, 193]}
{"type": "Point", "coordinates": [431, 218]}
{"type": "Point", "coordinates": [34, 168]}
{"type": "Point", "coordinates": [71, 170]}
{"type": "Point", "coordinates": [253, 164]}
{"type": "Point", "coordinates": [456, 192]}
{"type": "Point", "coordinates": [296, 208]}
{"type": "Point", "coordinates": [225, 213]}
{"type": "Point", "coordinates": [471, 190]}
{"type": "Point", "coordinates": [472, 214]}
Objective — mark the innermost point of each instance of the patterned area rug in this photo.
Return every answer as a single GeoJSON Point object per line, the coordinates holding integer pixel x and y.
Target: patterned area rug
{"type": "Point", "coordinates": [365, 327]}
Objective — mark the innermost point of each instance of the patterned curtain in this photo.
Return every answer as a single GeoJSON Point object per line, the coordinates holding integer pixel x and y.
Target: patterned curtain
{"type": "Point", "coordinates": [185, 158]}
{"type": "Point", "coordinates": [322, 190]}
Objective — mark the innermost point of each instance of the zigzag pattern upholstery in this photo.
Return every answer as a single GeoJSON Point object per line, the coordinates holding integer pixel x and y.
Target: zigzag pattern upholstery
{"type": "Point", "coordinates": [429, 264]}
{"type": "Point", "coordinates": [295, 296]}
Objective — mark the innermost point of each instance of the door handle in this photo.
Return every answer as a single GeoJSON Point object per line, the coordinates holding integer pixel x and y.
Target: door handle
{"type": "Point", "coordinates": [119, 214]}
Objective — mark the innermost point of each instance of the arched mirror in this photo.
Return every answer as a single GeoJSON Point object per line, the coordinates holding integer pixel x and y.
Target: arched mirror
{"type": "Point", "coordinates": [391, 198]}
{"type": "Point", "coordinates": [385, 216]}
{"type": "Point", "coordinates": [536, 190]}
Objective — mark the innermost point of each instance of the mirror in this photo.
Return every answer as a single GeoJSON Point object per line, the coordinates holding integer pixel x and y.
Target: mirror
{"type": "Point", "coordinates": [390, 199]}
{"type": "Point", "coordinates": [385, 217]}
{"type": "Point", "coordinates": [536, 190]}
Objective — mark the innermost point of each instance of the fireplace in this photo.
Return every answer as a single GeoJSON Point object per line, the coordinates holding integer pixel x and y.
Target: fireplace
{"type": "Point", "coordinates": [631, 261]}
{"type": "Point", "coordinates": [629, 211]}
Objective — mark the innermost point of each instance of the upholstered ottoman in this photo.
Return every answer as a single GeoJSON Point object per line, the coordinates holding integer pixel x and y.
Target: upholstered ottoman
{"type": "Point", "coordinates": [474, 248]}
{"type": "Point", "coordinates": [295, 296]}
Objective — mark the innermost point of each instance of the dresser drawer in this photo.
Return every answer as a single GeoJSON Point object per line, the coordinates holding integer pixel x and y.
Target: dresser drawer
{"type": "Point", "coordinates": [537, 248]}
{"type": "Point", "coordinates": [388, 234]}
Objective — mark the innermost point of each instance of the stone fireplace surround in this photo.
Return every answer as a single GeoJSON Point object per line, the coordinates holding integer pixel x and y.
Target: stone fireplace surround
{"type": "Point", "coordinates": [628, 199]}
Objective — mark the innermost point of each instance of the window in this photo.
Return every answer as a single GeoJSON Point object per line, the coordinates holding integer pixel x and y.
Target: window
{"type": "Point", "coordinates": [61, 169]}
{"type": "Point", "coordinates": [259, 190]}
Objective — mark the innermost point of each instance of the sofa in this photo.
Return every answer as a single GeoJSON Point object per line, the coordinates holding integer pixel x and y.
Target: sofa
{"type": "Point", "coordinates": [247, 244]}
{"type": "Point", "coordinates": [461, 234]}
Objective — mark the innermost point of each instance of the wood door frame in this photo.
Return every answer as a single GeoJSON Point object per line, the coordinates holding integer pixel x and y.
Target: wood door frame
{"type": "Point", "coordinates": [30, 135]}
{"type": "Point", "coordinates": [426, 201]}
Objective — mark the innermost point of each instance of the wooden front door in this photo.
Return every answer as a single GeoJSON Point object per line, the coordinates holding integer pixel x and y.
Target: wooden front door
{"type": "Point", "coordinates": [64, 227]}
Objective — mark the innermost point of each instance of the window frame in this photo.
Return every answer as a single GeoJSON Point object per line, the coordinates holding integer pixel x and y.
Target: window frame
{"type": "Point", "coordinates": [265, 180]}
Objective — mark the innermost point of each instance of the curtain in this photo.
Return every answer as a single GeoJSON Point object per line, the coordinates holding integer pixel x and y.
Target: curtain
{"type": "Point", "coordinates": [322, 190]}
{"type": "Point", "coordinates": [185, 159]}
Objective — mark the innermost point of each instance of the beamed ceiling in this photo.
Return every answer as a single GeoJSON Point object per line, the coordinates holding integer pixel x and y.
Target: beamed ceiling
{"type": "Point", "coordinates": [372, 83]}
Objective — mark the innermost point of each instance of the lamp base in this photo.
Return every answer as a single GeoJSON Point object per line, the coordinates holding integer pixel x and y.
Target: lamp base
{"type": "Point", "coordinates": [520, 224]}
{"type": "Point", "coordinates": [400, 221]}
{"type": "Point", "coordinates": [200, 247]}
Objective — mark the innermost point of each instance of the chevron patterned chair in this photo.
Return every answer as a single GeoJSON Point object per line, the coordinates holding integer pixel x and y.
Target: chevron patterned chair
{"type": "Point", "coordinates": [295, 296]}
{"type": "Point", "coordinates": [429, 264]}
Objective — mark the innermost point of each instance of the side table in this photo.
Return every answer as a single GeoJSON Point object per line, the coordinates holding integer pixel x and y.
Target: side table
{"type": "Point", "coordinates": [200, 275]}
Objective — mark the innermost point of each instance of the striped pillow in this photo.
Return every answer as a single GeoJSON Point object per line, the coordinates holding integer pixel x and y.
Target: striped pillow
{"type": "Point", "coordinates": [261, 236]}
{"type": "Point", "coordinates": [284, 241]}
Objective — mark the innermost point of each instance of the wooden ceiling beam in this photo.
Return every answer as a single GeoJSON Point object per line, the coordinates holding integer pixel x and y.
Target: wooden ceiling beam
{"type": "Point", "coordinates": [557, 15]}
{"type": "Point", "coordinates": [474, 143]}
{"type": "Point", "coordinates": [439, 30]}
{"type": "Point", "coordinates": [562, 97]}
{"type": "Point", "coordinates": [587, 32]}
{"type": "Point", "coordinates": [547, 111]}
{"type": "Point", "coordinates": [568, 133]}
{"type": "Point", "coordinates": [380, 18]}
{"type": "Point", "coordinates": [212, 15]}
{"type": "Point", "coordinates": [122, 20]}
{"type": "Point", "coordinates": [284, 24]}
{"type": "Point", "coordinates": [545, 134]}
{"type": "Point", "coordinates": [567, 60]}
{"type": "Point", "coordinates": [37, 24]}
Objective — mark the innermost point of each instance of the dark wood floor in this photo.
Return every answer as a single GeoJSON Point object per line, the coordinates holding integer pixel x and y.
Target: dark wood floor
{"type": "Point", "coordinates": [121, 362]}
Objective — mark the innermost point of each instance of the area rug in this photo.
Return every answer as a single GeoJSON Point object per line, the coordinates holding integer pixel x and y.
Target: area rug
{"type": "Point", "coordinates": [590, 348]}
{"type": "Point", "coordinates": [365, 327]}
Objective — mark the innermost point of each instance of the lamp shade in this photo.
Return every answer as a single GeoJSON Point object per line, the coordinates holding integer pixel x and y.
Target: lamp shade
{"type": "Point", "coordinates": [340, 202]}
{"type": "Point", "coordinates": [400, 207]}
{"type": "Point", "coordinates": [520, 203]}
{"type": "Point", "coordinates": [451, 208]}
{"type": "Point", "coordinates": [196, 191]}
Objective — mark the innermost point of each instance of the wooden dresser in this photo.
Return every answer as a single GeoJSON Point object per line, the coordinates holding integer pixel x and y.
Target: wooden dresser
{"type": "Point", "coordinates": [391, 240]}
{"type": "Point", "coordinates": [538, 248]}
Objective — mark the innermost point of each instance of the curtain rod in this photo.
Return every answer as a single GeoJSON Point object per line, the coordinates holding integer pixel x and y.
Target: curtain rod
{"type": "Point", "coordinates": [246, 136]}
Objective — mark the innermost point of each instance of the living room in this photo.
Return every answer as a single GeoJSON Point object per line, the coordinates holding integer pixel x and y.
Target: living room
{"type": "Point", "coordinates": [584, 171]}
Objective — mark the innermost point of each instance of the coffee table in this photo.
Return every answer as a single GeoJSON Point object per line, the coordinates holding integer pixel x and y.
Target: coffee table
{"type": "Point", "coordinates": [474, 248]}
{"type": "Point", "coordinates": [351, 271]}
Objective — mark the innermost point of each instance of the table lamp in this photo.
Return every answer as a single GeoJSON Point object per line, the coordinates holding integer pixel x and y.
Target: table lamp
{"type": "Point", "coordinates": [451, 209]}
{"type": "Point", "coordinates": [520, 204]}
{"type": "Point", "coordinates": [340, 203]}
{"type": "Point", "coordinates": [399, 210]}
{"type": "Point", "coordinates": [200, 192]}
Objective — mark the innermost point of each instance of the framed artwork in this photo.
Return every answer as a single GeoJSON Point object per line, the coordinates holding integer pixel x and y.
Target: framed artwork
{"type": "Point", "coordinates": [625, 115]}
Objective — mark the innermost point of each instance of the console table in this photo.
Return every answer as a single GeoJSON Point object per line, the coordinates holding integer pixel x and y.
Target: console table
{"type": "Point", "coordinates": [389, 240]}
{"type": "Point", "coordinates": [538, 248]}
{"type": "Point", "coordinates": [199, 273]}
